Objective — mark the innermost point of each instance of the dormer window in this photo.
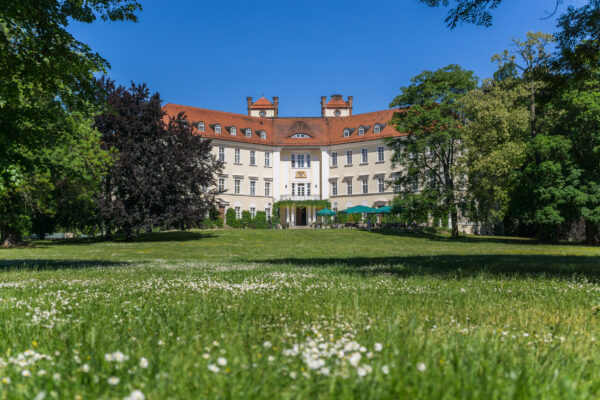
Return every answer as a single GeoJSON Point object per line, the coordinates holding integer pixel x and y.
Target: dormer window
{"type": "Point", "coordinates": [337, 113]}
{"type": "Point", "coordinates": [377, 128]}
{"type": "Point", "coordinates": [263, 135]}
{"type": "Point", "coordinates": [201, 126]}
{"type": "Point", "coordinates": [300, 136]}
{"type": "Point", "coordinates": [361, 130]}
{"type": "Point", "coordinates": [217, 128]}
{"type": "Point", "coordinates": [248, 132]}
{"type": "Point", "coordinates": [346, 132]}
{"type": "Point", "coordinates": [262, 113]}
{"type": "Point", "coordinates": [233, 131]}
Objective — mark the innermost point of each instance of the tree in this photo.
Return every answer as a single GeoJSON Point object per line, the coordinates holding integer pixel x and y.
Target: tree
{"type": "Point", "coordinates": [478, 12]}
{"type": "Point", "coordinates": [47, 76]}
{"type": "Point", "coordinates": [432, 116]}
{"type": "Point", "coordinates": [163, 171]}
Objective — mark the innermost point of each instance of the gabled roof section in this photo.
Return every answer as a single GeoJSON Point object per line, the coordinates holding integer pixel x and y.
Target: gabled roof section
{"type": "Point", "coordinates": [262, 103]}
{"type": "Point", "coordinates": [337, 102]}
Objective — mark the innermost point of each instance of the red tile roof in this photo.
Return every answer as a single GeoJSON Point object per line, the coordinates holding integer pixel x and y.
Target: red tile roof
{"type": "Point", "coordinates": [262, 103]}
{"type": "Point", "coordinates": [337, 102]}
{"type": "Point", "coordinates": [279, 131]}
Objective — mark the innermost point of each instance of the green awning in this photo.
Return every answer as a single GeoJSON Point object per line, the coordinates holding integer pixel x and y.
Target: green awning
{"type": "Point", "coordinates": [326, 212]}
{"type": "Point", "coordinates": [383, 210]}
{"type": "Point", "coordinates": [358, 210]}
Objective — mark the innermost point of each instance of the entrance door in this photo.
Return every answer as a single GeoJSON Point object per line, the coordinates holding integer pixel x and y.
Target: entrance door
{"type": "Point", "coordinates": [301, 216]}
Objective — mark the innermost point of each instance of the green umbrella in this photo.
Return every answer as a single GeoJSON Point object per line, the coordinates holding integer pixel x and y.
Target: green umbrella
{"type": "Point", "coordinates": [383, 210]}
{"type": "Point", "coordinates": [358, 210]}
{"type": "Point", "coordinates": [326, 212]}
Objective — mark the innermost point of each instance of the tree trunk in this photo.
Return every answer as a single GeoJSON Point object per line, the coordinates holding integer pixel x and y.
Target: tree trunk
{"type": "Point", "coordinates": [454, 217]}
{"type": "Point", "coordinates": [10, 238]}
{"type": "Point", "coordinates": [591, 233]}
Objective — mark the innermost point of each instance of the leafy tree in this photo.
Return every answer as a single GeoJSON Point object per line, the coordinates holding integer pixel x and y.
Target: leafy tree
{"type": "Point", "coordinates": [47, 75]}
{"type": "Point", "coordinates": [231, 219]}
{"type": "Point", "coordinates": [163, 171]}
{"type": "Point", "coordinates": [433, 118]}
{"type": "Point", "coordinates": [478, 12]}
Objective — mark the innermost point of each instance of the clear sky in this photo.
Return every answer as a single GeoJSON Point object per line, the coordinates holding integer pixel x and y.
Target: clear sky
{"type": "Point", "coordinates": [213, 54]}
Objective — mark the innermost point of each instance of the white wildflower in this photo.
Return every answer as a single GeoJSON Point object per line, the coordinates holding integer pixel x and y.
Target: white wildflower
{"type": "Point", "coordinates": [378, 347]}
{"type": "Point", "coordinates": [144, 362]}
{"type": "Point", "coordinates": [385, 369]}
{"type": "Point", "coordinates": [213, 368]}
{"type": "Point", "coordinates": [267, 344]}
{"type": "Point", "coordinates": [361, 371]}
{"type": "Point", "coordinates": [136, 395]}
{"type": "Point", "coordinates": [355, 359]}
{"type": "Point", "coordinates": [421, 366]}
{"type": "Point", "coordinates": [222, 361]}
{"type": "Point", "coordinates": [26, 373]}
{"type": "Point", "coordinates": [113, 380]}
{"type": "Point", "coordinates": [85, 368]}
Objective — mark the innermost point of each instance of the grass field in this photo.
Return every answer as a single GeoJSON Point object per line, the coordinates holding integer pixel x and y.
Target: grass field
{"type": "Point", "coordinates": [300, 314]}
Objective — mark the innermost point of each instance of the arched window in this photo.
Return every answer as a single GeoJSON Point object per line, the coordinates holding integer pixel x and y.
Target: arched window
{"type": "Point", "coordinates": [346, 132]}
{"type": "Point", "coordinates": [248, 133]}
{"type": "Point", "coordinates": [376, 128]}
{"type": "Point", "coordinates": [201, 126]}
{"type": "Point", "coordinates": [263, 135]}
{"type": "Point", "coordinates": [217, 128]}
{"type": "Point", "coordinates": [361, 130]}
{"type": "Point", "coordinates": [300, 136]}
{"type": "Point", "coordinates": [233, 131]}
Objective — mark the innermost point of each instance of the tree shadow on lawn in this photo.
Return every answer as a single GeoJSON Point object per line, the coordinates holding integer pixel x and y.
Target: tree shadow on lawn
{"type": "Point", "coordinates": [460, 266]}
{"type": "Point", "coordinates": [173, 236]}
{"type": "Point", "coordinates": [48, 264]}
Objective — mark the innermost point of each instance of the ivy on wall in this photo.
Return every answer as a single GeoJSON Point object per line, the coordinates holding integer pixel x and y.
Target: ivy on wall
{"type": "Point", "coordinates": [302, 203]}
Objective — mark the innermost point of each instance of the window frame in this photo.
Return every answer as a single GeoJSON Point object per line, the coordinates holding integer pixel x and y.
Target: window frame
{"type": "Point", "coordinates": [237, 186]}
{"type": "Point", "coordinates": [334, 188]}
{"type": "Point", "coordinates": [346, 132]}
{"type": "Point", "coordinates": [200, 126]}
{"type": "Point", "coordinates": [377, 128]}
{"type": "Point", "coordinates": [268, 189]}
{"type": "Point", "coordinates": [364, 156]}
{"type": "Point", "coordinates": [248, 132]}
{"type": "Point", "coordinates": [237, 156]}
{"type": "Point", "coordinates": [218, 128]}
{"type": "Point", "coordinates": [252, 188]}
{"type": "Point", "coordinates": [267, 159]}
{"type": "Point", "coordinates": [252, 157]}
{"type": "Point", "coordinates": [380, 153]}
{"type": "Point", "coordinates": [334, 159]}
{"type": "Point", "coordinates": [221, 154]}
{"type": "Point", "coordinates": [365, 186]}
{"type": "Point", "coordinates": [221, 184]}
{"type": "Point", "coordinates": [233, 131]}
{"type": "Point", "coordinates": [349, 187]}
{"type": "Point", "coordinates": [348, 157]}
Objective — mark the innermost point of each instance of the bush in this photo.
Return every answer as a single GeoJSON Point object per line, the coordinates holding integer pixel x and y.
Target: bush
{"type": "Point", "coordinates": [219, 222]}
{"type": "Point", "coordinates": [356, 218]}
{"type": "Point", "coordinates": [246, 219]}
{"type": "Point", "coordinates": [230, 218]}
{"type": "Point", "coordinates": [260, 220]}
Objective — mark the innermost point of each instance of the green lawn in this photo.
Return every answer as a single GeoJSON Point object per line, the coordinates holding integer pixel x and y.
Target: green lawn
{"type": "Point", "coordinates": [300, 314]}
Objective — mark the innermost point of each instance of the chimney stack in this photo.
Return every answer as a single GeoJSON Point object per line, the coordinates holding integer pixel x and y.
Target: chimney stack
{"type": "Point", "coordinates": [249, 101]}
{"type": "Point", "coordinates": [276, 105]}
{"type": "Point", "coordinates": [323, 102]}
{"type": "Point", "coordinates": [350, 98]}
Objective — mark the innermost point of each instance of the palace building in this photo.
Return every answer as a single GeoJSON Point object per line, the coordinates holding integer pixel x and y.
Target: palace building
{"type": "Point", "coordinates": [340, 156]}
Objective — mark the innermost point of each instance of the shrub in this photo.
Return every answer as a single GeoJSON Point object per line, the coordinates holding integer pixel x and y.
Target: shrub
{"type": "Point", "coordinates": [260, 221]}
{"type": "Point", "coordinates": [246, 219]}
{"type": "Point", "coordinates": [219, 222]}
{"type": "Point", "coordinates": [230, 218]}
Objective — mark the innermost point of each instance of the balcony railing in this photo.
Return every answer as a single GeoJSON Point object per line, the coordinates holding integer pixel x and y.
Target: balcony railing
{"type": "Point", "coordinates": [300, 198]}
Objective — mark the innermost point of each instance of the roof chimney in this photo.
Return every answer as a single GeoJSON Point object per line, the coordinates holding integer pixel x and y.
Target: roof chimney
{"type": "Point", "coordinates": [276, 104]}
{"type": "Point", "coordinates": [249, 101]}
{"type": "Point", "coordinates": [350, 98]}
{"type": "Point", "coordinates": [323, 101]}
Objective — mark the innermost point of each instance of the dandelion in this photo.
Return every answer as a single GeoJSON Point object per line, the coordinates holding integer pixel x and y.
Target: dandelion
{"type": "Point", "coordinates": [421, 366]}
{"type": "Point", "coordinates": [213, 368]}
{"type": "Point", "coordinates": [144, 362]}
{"type": "Point", "coordinates": [113, 380]}
{"type": "Point", "coordinates": [378, 347]}
{"type": "Point", "coordinates": [222, 361]}
{"type": "Point", "coordinates": [385, 369]}
{"type": "Point", "coordinates": [267, 344]}
{"type": "Point", "coordinates": [136, 395]}
{"type": "Point", "coordinates": [85, 368]}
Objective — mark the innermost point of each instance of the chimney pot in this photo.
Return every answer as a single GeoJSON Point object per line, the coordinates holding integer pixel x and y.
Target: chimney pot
{"type": "Point", "coordinates": [249, 101]}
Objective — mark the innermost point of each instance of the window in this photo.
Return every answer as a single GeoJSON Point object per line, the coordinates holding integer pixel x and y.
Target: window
{"type": "Point", "coordinates": [364, 156]}
{"type": "Point", "coordinates": [300, 160]}
{"type": "Point", "coordinates": [237, 156]}
{"type": "Point", "coordinates": [217, 128]}
{"type": "Point", "coordinates": [238, 212]}
{"type": "Point", "coordinates": [337, 113]}
{"type": "Point", "coordinates": [308, 189]}
{"type": "Point", "coordinates": [293, 161]}
{"type": "Point", "coordinates": [233, 131]}
{"type": "Point", "coordinates": [380, 184]}
{"type": "Point", "coordinates": [252, 212]}
{"type": "Point", "coordinates": [252, 157]}
{"type": "Point", "coordinates": [262, 113]}
{"type": "Point", "coordinates": [301, 189]}
{"type": "Point", "coordinates": [377, 128]}
{"type": "Point", "coordinates": [267, 189]}
{"type": "Point", "coordinates": [263, 135]}
{"type": "Point", "coordinates": [361, 130]}
{"type": "Point", "coordinates": [201, 126]}
{"type": "Point", "coordinates": [365, 186]}
{"type": "Point", "coordinates": [252, 188]}
{"type": "Point", "coordinates": [349, 157]}
{"type": "Point", "coordinates": [300, 136]}
{"type": "Point", "coordinates": [308, 161]}
{"type": "Point", "coordinates": [293, 189]}
{"type": "Point", "coordinates": [222, 154]}
{"type": "Point", "coordinates": [248, 133]}
{"type": "Point", "coordinates": [268, 211]}
{"type": "Point", "coordinates": [348, 187]}
{"type": "Point", "coordinates": [334, 188]}
{"type": "Point", "coordinates": [221, 184]}
{"type": "Point", "coordinates": [236, 186]}
{"type": "Point", "coordinates": [267, 159]}
{"type": "Point", "coordinates": [380, 154]}
{"type": "Point", "coordinates": [346, 132]}
{"type": "Point", "coordinates": [334, 159]}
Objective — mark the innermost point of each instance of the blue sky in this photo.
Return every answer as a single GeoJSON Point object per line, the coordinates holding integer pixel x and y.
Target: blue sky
{"type": "Point", "coordinates": [212, 54]}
